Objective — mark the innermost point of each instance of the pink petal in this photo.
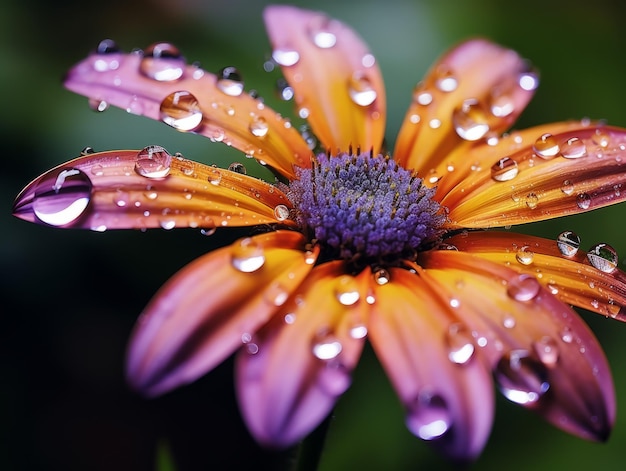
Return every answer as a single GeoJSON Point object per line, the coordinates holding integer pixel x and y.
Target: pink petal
{"type": "Point", "coordinates": [211, 307]}
{"type": "Point", "coordinates": [301, 362]}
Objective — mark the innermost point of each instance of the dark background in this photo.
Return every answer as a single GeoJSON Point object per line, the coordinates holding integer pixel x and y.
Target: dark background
{"type": "Point", "coordinates": [69, 298]}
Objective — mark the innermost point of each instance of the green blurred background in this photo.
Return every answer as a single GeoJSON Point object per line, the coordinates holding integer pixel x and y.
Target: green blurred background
{"type": "Point", "coordinates": [69, 298]}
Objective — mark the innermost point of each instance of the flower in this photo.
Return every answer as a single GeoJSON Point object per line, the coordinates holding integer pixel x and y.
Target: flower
{"type": "Point", "coordinates": [352, 244]}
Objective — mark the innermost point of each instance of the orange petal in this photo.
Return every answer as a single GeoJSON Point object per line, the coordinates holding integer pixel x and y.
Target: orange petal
{"type": "Point", "coordinates": [543, 355]}
{"type": "Point", "coordinates": [432, 362]}
{"type": "Point", "coordinates": [557, 174]}
{"type": "Point", "coordinates": [338, 86]}
{"type": "Point", "coordinates": [190, 99]}
{"type": "Point", "coordinates": [475, 89]}
{"type": "Point", "coordinates": [566, 272]}
{"type": "Point", "coordinates": [148, 188]}
{"type": "Point", "coordinates": [211, 306]}
{"type": "Point", "coordinates": [301, 361]}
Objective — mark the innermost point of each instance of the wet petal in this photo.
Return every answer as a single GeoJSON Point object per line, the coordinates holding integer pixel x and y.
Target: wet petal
{"type": "Point", "coordinates": [148, 188]}
{"type": "Point", "coordinates": [555, 174]}
{"type": "Point", "coordinates": [302, 360]}
{"type": "Point", "coordinates": [191, 100]}
{"type": "Point", "coordinates": [543, 355]}
{"type": "Point", "coordinates": [433, 364]}
{"type": "Point", "coordinates": [475, 89]}
{"type": "Point", "coordinates": [338, 85]}
{"type": "Point", "coordinates": [566, 271]}
{"type": "Point", "coordinates": [208, 309]}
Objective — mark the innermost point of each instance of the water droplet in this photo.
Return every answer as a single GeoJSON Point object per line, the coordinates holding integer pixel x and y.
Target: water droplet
{"type": "Point", "coordinates": [547, 351]}
{"type": "Point", "coordinates": [281, 212]}
{"type": "Point", "coordinates": [583, 200]}
{"type": "Point", "coordinates": [568, 243]}
{"type": "Point", "coordinates": [573, 148]}
{"type": "Point", "coordinates": [521, 378]}
{"type": "Point", "coordinates": [107, 46]}
{"type": "Point", "coordinates": [215, 176]}
{"type": "Point", "coordinates": [502, 106]}
{"type": "Point", "coordinates": [603, 257]}
{"type": "Point", "coordinates": [321, 34]}
{"type": "Point", "coordinates": [326, 347]}
{"type": "Point", "coordinates": [567, 188]}
{"type": "Point", "coordinates": [358, 331]}
{"type": "Point", "coordinates": [167, 223]}
{"type": "Point", "coordinates": [121, 199]}
{"type": "Point", "coordinates": [509, 321]}
{"type": "Point", "coordinates": [86, 151]}
{"type": "Point", "coordinates": [601, 138]}
{"type": "Point", "coordinates": [276, 294]}
{"type": "Point", "coordinates": [238, 168]}
{"type": "Point", "coordinates": [524, 256]}
{"type": "Point", "coordinates": [229, 81]}
{"type": "Point", "coordinates": [208, 231]}
{"type": "Point", "coordinates": [309, 257]}
{"type": "Point", "coordinates": [361, 90]}
{"type": "Point", "coordinates": [523, 288]}
{"type": "Point", "coordinates": [108, 57]}
{"type": "Point", "coordinates": [546, 146]}
{"type": "Point", "coordinates": [98, 105]}
{"type": "Point", "coordinates": [428, 416]}
{"type": "Point", "coordinates": [532, 200]}
{"type": "Point", "coordinates": [470, 121]}
{"type": "Point", "coordinates": [528, 80]}
{"type": "Point", "coordinates": [423, 98]}
{"type": "Point", "coordinates": [247, 255]}
{"type": "Point", "coordinates": [162, 62]}
{"type": "Point", "coordinates": [62, 196]}
{"type": "Point", "coordinates": [258, 126]}
{"type": "Point", "coordinates": [334, 378]}
{"type": "Point", "coordinates": [181, 110]}
{"type": "Point", "coordinates": [381, 276]}
{"type": "Point", "coordinates": [460, 344]}
{"type": "Point", "coordinates": [446, 81]}
{"type": "Point", "coordinates": [504, 170]}
{"type": "Point", "coordinates": [285, 57]}
{"type": "Point", "coordinates": [347, 290]}
{"type": "Point", "coordinates": [153, 162]}
{"type": "Point", "coordinates": [284, 90]}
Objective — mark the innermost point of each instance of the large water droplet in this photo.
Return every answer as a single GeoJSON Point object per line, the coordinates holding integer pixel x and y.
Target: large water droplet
{"type": "Point", "coordinates": [181, 110]}
{"type": "Point", "coordinates": [521, 378]}
{"type": "Point", "coordinates": [523, 287]}
{"type": "Point", "coordinates": [547, 351]}
{"type": "Point", "coordinates": [259, 127]}
{"type": "Point", "coordinates": [567, 188]}
{"type": "Point", "coordinates": [281, 212]}
{"type": "Point", "coordinates": [504, 170]}
{"type": "Point", "coordinates": [502, 106]}
{"type": "Point", "coordinates": [162, 62]}
{"type": "Point", "coordinates": [347, 290]}
{"type": "Point", "coordinates": [573, 148]}
{"type": "Point", "coordinates": [229, 81]}
{"type": "Point", "coordinates": [108, 56]}
{"type": "Point", "coordinates": [153, 162]}
{"type": "Point", "coordinates": [361, 90]}
{"type": "Point", "coordinates": [321, 34]}
{"type": "Point", "coordinates": [524, 255]}
{"type": "Point", "coordinates": [568, 243]}
{"type": "Point", "coordinates": [428, 416]}
{"type": "Point", "coordinates": [247, 255]}
{"type": "Point", "coordinates": [603, 257]}
{"type": "Point", "coordinates": [98, 105]}
{"type": "Point", "coordinates": [61, 197]}
{"type": "Point", "coordinates": [583, 201]}
{"type": "Point", "coordinates": [532, 200]}
{"type": "Point", "coordinates": [446, 81]}
{"type": "Point", "coordinates": [238, 167]}
{"type": "Point", "coordinates": [470, 121]}
{"type": "Point", "coordinates": [528, 80]}
{"type": "Point", "coordinates": [326, 346]}
{"type": "Point", "coordinates": [546, 146]}
{"type": "Point", "coordinates": [284, 90]}
{"type": "Point", "coordinates": [460, 344]}
{"type": "Point", "coordinates": [285, 57]}
{"type": "Point", "coordinates": [601, 138]}
{"type": "Point", "coordinates": [381, 276]}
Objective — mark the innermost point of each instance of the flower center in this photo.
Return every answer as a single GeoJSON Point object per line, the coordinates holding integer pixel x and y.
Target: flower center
{"type": "Point", "coordinates": [366, 208]}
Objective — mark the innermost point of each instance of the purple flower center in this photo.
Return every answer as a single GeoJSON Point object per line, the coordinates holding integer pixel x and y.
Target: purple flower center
{"type": "Point", "coordinates": [366, 208]}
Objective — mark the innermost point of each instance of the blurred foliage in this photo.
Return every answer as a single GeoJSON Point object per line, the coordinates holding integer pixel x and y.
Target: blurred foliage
{"type": "Point", "coordinates": [69, 298]}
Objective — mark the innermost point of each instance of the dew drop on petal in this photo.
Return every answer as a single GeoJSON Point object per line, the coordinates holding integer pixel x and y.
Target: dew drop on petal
{"type": "Point", "coordinates": [162, 62]}
{"type": "Point", "coordinates": [276, 294]}
{"type": "Point", "coordinates": [181, 110]}
{"type": "Point", "coordinates": [603, 257]}
{"type": "Point", "coordinates": [381, 276]}
{"type": "Point", "coordinates": [281, 212]}
{"type": "Point", "coordinates": [460, 344]}
{"type": "Point", "coordinates": [428, 416]}
{"type": "Point", "coordinates": [601, 138]}
{"type": "Point", "coordinates": [469, 121]}
{"type": "Point", "coordinates": [567, 188]}
{"type": "Point", "coordinates": [238, 167]}
{"type": "Point", "coordinates": [547, 351]}
{"type": "Point", "coordinates": [521, 378]}
{"type": "Point", "coordinates": [524, 255]}
{"type": "Point", "coordinates": [215, 176]}
{"type": "Point", "coordinates": [62, 196]}
{"type": "Point", "coordinates": [423, 98]}
{"type": "Point", "coordinates": [546, 146]}
{"type": "Point", "coordinates": [583, 201]}
{"type": "Point", "coordinates": [361, 90]}
{"type": "Point", "coordinates": [229, 81]}
{"type": "Point", "coordinates": [523, 288]}
{"type": "Point", "coordinates": [502, 106]}
{"type": "Point", "coordinates": [326, 347]}
{"type": "Point", "coordinates": [532, 200]}
{"type": "Point", "coordinates": [573, 148]}
{"type": "Point", "coordinates": [258, 126]}
{"type": "Point", "coordinates": [153, 162]}
{"type": "Point", "coordinates": [568, 243]}
{"type": "Point", "coordinates": [504, 170]}
{"type": "Point", "coordinates": [98, 105]}
{"type": "Point", "coordinates": [285, 57]}
{"type": "Point", "coordinates": [358, 331]}
{"type": "Point", "coordinates": [446, 81]}
{"type": "Point", "coordinates": [321, 34]}
{"type": "Point", "coordinates": [247, 255]}
{"type": "Point", "coordinates": [346, 290]}
{"type": "Point", "coordinates": [334, 378]}
{"type": "Point", "coordinates": [528, 80]}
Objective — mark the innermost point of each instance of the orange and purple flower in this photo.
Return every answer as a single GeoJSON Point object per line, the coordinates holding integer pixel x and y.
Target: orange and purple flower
{"type": "Point", "coordinates": [352, 243]}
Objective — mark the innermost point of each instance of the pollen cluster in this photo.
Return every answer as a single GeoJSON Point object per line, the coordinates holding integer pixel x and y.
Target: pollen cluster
{"type": "Point", "coordinates": [363, 207]}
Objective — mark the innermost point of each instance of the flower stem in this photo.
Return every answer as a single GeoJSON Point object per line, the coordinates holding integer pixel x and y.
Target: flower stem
{"type": "Point", "coordinates": [309, 452]}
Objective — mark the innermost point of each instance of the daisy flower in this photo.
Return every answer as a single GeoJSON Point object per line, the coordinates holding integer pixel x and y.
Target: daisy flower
{"type": "Point", "coordinates": [352, 243]}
